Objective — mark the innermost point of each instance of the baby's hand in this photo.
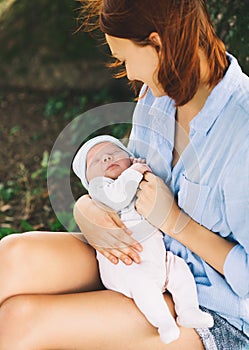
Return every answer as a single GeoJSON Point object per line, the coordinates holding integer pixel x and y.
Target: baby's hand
{"type": "Point", "coordinates": [137, 160]}
{"type": "Point", "coordinates": [140, 167]}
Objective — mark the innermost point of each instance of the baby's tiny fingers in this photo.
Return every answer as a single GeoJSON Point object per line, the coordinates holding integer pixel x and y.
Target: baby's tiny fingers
{"type": "Point", "coordinates": [139, 160]}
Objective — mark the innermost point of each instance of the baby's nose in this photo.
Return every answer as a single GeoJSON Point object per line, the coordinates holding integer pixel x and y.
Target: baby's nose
{"type": "Point", "coordinates": [107, 157]}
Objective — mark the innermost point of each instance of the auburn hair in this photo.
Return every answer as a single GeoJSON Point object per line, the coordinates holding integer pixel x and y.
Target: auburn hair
{"type": "Point", "coordinates": [184, 27]}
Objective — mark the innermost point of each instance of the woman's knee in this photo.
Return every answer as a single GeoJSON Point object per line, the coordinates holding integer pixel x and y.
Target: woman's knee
{"type": "Point", "coordinates": [17, 319]}
{"type": "Point", "coordinates": [13, 248]}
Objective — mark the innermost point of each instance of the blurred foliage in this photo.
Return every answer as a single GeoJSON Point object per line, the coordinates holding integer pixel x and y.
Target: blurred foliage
{"type": "Point", "coordinates": [45, 26]}
{"type": "Point", "coordinates": [48, 27]}
{"type": "Point", "coordinates": [231, 21]}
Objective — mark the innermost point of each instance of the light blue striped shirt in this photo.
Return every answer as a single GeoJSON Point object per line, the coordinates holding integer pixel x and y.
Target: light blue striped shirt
{"type": "Point", "coordinates": [210, 182]}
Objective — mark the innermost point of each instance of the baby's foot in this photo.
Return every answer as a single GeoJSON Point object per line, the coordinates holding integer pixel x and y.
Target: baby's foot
{"type": "Point", "coordinates": [195, 318]}
{"type": "Point", "coordinates": [169, 334]}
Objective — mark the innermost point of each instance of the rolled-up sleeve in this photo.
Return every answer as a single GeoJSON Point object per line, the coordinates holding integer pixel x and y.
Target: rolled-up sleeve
{"type": "Point", "coordinates": [236, 271]}
{"type": "Point", "coordinates": [236, 194]}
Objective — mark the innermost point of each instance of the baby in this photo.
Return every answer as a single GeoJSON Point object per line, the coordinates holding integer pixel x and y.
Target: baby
{"type": "Point", "coordinates": [112, 176]}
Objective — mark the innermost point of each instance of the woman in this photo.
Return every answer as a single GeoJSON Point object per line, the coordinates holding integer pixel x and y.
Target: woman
{"type": "Point", "coordinates": [196, 90]}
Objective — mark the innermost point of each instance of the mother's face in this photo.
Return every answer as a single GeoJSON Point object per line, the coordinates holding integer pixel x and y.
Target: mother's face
{"type": "Point", "coordinates": [141, 62]}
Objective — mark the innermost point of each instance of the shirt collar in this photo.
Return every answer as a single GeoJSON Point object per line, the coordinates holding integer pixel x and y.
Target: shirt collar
{"type": "Point", "coordinates": [215, 103]}
{"type": "Point", "coordinates": [218, 98]}
{"type": "Point", "coordinates": [163, 104]}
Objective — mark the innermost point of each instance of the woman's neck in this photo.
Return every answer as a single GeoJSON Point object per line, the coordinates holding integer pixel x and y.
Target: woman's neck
{"type": "Point", "coordinates": [184, 115]}
{"type": "Point", "coordinates": [187, 112]}
{"type": "Point", "coordinates": [193, 107]}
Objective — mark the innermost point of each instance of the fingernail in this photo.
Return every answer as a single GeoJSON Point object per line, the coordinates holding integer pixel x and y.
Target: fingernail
{"type": "Point", "coordinates": [137, 260]}
{"type": "Point", "coordinates": [138, 247]}
{"type": "Point", "coordinates": [127, 261]}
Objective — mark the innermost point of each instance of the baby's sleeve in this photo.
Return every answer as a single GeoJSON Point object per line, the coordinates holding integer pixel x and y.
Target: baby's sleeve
{"type": "Point", "coordinates": [116, 194]}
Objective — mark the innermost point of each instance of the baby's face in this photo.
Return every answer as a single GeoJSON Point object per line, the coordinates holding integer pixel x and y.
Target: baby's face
{"type": "Point", "coordinates": [106, 159]}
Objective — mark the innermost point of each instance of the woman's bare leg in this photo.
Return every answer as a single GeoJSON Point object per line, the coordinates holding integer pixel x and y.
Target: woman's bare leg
{"type": "Point", "coordinates": [100, 320]}
{"type": "Point", "coordinates": [55, 263]}
{"type": "Point", "coordinates": [42, 262]}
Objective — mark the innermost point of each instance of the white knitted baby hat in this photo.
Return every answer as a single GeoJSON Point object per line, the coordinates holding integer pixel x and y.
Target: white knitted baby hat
{"type": "Point", "coordinates": [79, 162]}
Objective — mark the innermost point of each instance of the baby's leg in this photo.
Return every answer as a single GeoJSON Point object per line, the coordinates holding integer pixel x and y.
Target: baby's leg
{"type": "Point", "coordinates": [181, 285]}
{"type": "Point", "coordinates": [149, 299]}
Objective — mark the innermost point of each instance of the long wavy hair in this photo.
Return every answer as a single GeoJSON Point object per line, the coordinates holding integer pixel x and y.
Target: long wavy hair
{"type": "Point", "coordinates": [184, 28]}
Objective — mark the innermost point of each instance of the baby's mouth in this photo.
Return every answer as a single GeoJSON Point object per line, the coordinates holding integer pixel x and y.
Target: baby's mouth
{"type": "Point", "coordinates": [111, 165]}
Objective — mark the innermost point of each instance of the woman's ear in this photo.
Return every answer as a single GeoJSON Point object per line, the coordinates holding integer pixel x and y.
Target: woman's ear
{"type": "Point", "coordinates": [156, 40]}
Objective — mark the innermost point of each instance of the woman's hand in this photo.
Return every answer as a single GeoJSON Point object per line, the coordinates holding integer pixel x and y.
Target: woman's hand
{"type": "Point", "coordinates": [157, 204]}
{"type": "Point", "coordinates": [105, 232]}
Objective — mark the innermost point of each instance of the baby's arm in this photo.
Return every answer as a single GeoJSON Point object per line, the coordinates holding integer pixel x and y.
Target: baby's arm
{"type": "Point", "coordinates": [139, 164]}
{"type": "Point", "coordinates": [140, 167]}
{"type": "Point", "coordinates": [118, 193]}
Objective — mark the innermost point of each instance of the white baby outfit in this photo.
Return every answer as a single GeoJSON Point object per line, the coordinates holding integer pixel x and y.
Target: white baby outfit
{"type": "Point", "coordinates": [159, 270]}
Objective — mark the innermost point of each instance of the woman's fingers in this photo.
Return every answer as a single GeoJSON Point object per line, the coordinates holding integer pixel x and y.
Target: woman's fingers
{"type": "Point", "coordinates": [108, 255]}
{"type": "Point", "coordinates": [126, 255]}
{"type": "Point", "coordinates": [118, 222]}
{"type": "Point", "coordinates": [115, 243]}
{"type": "Point", "coordinates": [120, 246]}
{"type": "Point", "coordinates": [123, 237]}
{"type": "Point", "coordinates": [121, 256]}
{"type": "Point", "coordinates": [149, 176]}
{"type": "Point", "coordinates": [103, 229]}
{"type": "Point", "coordinates": [125, 248]}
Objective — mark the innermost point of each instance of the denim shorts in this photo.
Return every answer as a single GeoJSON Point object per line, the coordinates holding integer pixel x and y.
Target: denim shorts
{"type": "Point", "coordinates": [222, 336]}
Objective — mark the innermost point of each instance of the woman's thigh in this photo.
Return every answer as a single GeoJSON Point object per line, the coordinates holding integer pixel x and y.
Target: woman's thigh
{"type": "Point", "coordinates": [46, 262]}
{"type": "Point", "coordinates": [100, 320]}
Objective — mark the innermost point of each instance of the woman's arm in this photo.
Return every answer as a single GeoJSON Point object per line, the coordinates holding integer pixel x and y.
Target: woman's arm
{"type": "Point", "coordinates": [156, 203]}
{"type": "Point", "coordinates": [211, 247]}
{"type": "Point", "coordinates": [105, 232]}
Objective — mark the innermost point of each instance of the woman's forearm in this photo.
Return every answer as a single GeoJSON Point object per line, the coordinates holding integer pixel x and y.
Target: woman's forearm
{"type": "Point", "coordinates": [208, 245]}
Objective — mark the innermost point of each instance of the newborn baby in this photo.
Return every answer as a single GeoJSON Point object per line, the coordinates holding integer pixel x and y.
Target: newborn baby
{"type": "Point", "coordinates": [112, 176]}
